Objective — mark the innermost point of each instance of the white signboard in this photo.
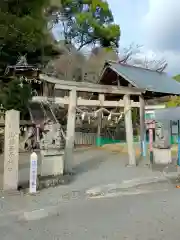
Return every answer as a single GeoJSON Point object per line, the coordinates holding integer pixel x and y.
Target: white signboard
{"type": "Point", "coordinates": [33, 173]}
{"type": "Point", "coordinates": [174, 128]}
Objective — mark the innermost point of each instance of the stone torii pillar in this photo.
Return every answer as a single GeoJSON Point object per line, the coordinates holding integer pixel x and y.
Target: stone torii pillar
{"type": "Point", "coordinates": [142, 126]}
{"type": "Point", "coordinates": [99, 127]}
{"type": "Point", "coordinates": [70, 133]}
{"type": "Point", "coordinates": [129, 130]}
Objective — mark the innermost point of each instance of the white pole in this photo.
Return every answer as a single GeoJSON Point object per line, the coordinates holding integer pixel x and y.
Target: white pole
{"type": "Point", "coordinates": [33, 173]}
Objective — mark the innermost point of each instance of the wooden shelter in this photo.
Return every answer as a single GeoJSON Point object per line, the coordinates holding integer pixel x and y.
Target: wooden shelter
{"type": "Point", "coordinates": [157, 84]}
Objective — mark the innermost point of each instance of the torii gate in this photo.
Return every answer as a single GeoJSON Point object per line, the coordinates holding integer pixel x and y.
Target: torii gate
{"type": "Point", "coordinates": [73, 102]}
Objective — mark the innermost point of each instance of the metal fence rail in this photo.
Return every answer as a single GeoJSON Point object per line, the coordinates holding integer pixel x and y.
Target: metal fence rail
{"type": "Point", "coordinates": [85, 137]}
{"type": "Point", "coordinates": [82, 138]}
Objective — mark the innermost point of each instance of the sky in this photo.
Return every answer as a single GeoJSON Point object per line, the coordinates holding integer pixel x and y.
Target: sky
{"type": "Point", "coordinates": [155, 24]}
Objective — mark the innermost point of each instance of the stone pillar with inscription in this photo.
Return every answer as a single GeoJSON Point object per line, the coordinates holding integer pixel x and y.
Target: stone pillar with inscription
{"type": "Point", "coordinates": [52, 150]}
{"type": "Point", "coordinates": [11, 150]}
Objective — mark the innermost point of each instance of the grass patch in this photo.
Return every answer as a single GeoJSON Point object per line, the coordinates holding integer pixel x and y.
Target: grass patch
{"type": "Point", "coordinates": [122, 148]}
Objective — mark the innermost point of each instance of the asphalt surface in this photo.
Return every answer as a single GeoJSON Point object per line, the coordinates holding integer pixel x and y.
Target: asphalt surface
{"type": "Point", "coordinates": [122, 211]}
{"type": "Point", "coordinates": [91, 166]}
{"type": "Point", "coordinates": [146, 216]}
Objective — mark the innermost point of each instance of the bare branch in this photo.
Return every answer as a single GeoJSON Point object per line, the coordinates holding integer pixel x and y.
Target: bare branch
{"type": "Point", "coordinates": [134, 56]}
{"type": "Point", "coordinates": [127, 53]}
{"type": "Point", "coordinates": [84, 44]}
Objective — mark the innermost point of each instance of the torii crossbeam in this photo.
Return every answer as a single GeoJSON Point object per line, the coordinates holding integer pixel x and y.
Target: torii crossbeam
{"type": "Point", "coordinates": [72, 102]}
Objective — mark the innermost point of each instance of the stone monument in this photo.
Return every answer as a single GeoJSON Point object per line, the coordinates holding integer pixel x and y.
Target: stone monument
{"type": "Point", "coordinates": [162, 135]}
{"type": "Point", "coordinates": [162, 147]}
{"type": "Point", "coordinates": [11, 150]}
{"type": "Point", "coordinates": [52, 150]}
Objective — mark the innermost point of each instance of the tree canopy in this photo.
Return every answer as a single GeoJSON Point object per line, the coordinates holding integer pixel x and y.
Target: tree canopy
{"type": "Point", "coordinates": [175, 100]}
{"type": "Point", "coordinates": [177, 78]}
{"type": "Point", "coordinates": [15, 95]}
{"type": "Point", "coordinates": [87, 22]}
{"type": "Point", "coordinates": [23, 30]}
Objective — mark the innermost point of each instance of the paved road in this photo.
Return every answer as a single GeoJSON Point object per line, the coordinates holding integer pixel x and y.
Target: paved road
{"type": "Point", "coordinates": [92, 167]}
{"type": "Point", "coordinates": [152, 216]}
{"type": "Point", "coordinates": [153, 213]}
{"type": "Point", "coordinates": [24, 164]}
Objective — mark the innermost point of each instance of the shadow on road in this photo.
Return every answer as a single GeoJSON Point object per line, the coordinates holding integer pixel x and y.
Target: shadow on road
{"type": "Point", "coordinates": [90, 162]}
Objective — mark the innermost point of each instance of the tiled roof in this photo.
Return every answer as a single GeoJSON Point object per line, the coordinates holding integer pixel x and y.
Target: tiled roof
{"type": "Point", "coordinates": [150, 80]}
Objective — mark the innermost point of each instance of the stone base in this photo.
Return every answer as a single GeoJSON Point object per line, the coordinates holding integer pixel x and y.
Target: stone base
{"type": "Point", "coordinates": [162, 156]}
{"type": "Point", "coordinates": [52, 181]}
{"type": "Point", "coordinates": [52, 165]}
{"type": "Point", "coordinates": [5, 193]}
{"type": "Point", "coordinates": [47, 182]}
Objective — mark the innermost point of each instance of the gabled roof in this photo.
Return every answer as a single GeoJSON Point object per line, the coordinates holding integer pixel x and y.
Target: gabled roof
{"type": "Point", "coordinates": [150, 80]}
{"type": "Point", "coordinates": [167, 114]}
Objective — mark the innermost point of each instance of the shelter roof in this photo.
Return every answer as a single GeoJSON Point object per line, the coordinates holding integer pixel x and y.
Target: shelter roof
{"type": "Point", "coordinates": [152, 81]}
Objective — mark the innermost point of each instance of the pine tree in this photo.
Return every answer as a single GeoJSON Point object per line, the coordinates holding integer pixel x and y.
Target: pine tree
{"type": "Point", "coordinates": [23, 30]}
{"type": "Point", "coordinates": [16, 95]}
{"type": "Point", "coordinates": [89, 22]}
